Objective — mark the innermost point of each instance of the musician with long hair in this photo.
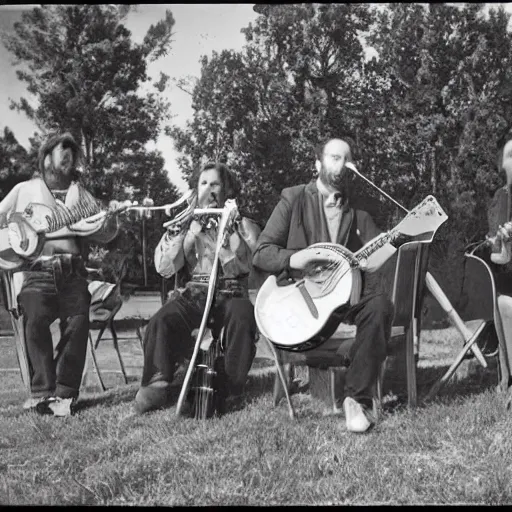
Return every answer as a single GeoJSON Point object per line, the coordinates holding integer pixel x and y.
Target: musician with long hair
{"type": "Point", "coordinates": [189, 250]}
{"type": "Point", "coordinates": [54, 277]}
{"type": "Point", "coordinates": [320, 211]}
{"type": "Point", "coordinates": [500, 236]}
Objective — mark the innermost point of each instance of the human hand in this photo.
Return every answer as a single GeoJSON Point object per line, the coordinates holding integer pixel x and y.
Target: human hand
{"type": "Point", "coordinates": [114, 205]}
{"type": "Point", "coordinates": [195, 227]}
{"type": "Point", "coordinates": [504, 232]}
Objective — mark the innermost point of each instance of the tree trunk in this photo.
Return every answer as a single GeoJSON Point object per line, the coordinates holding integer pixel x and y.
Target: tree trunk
{"type": "Point", "coordinates": [433, 175]}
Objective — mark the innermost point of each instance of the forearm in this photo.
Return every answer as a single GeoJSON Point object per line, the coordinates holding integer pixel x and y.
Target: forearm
{"type": "Point", "coordinates": [271, 253]}
{"type": "Point", "coordinates": [271, 258]}
{"type": "Point", "coordinates": [173, 251]}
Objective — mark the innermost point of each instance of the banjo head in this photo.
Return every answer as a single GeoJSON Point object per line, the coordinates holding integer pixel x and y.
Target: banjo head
{"type": "Point", "coordinates": [23, 239]}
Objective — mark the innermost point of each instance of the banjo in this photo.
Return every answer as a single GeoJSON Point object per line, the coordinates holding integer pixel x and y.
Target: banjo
{"type": "Point", "coordinates": [23, 236]}
{"type": "Point", "coordinates": [302, 315]}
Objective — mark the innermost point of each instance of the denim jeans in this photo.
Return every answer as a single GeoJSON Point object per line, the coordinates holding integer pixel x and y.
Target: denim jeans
{"type": "Point", "coordinates": [168, 339]}
{"type": "Point", "coordinates": [58, 290]}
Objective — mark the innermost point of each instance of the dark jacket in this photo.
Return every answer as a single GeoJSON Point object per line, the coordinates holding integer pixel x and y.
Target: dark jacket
{"type": "Point", "coordinates": [496, 216]}
{"type": "Point", "coordinates": [298, 221]}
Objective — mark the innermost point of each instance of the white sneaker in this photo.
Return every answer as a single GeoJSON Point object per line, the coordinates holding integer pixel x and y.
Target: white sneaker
{"type": "Point", "coordinates": [355, 416]}
{"type": "Point", "coordinates": [32, 402]}
{"type": "Point", "coordinates": [62, 406]}
{"type": "Point", "coordinates": [56, 406]}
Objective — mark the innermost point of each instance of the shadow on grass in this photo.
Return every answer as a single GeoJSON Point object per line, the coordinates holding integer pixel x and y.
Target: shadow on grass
{"type": "Point", "coordinates": [256, 386]}
{"type": "Point", "coordinates": [474, 381]}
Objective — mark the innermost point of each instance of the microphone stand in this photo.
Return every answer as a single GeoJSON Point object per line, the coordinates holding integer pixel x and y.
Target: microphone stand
{"type": "Point", "coordinates": [435, 289]}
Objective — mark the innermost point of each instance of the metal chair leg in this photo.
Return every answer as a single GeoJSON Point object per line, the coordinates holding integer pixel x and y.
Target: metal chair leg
{"type": "Point", "coordinates": [410, 362]}
{"type": "Point", "coordinates": [280, 372]}
{"type": "Point", "coordinates": [116, 346]}
{"type": "Point", "coordinates": [437, 386]}
{"type": "Point", "coordinates": [95, 364]}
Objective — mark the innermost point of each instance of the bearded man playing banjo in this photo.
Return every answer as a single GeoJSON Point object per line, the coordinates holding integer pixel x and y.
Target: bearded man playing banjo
{"type": "Point", "coordinates": [320, 212]}
{"type": "Point", "coordinates": [48, 220]}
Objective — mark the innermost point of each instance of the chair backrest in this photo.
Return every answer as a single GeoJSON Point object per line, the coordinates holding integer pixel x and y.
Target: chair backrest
{"type": "Point", "coordinates": [409, 282]}
{"type": "Point", "coordinates": [106, 298]}
{"type": "Point", "coordinates": [478, 291]}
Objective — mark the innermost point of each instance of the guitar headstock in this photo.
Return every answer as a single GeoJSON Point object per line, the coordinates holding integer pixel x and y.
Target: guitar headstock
{"type": "Point", "coordinates": [423, 219]}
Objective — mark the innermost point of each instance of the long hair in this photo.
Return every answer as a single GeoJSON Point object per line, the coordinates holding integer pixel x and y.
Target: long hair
{"type": "Point", "coordinates": [67, 141]}
{"type": "Point", "coordinates": [229, 182]}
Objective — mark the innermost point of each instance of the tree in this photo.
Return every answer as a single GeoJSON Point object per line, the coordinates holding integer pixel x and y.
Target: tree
{"type": "Point", "coordinates": [448, 104]}
{"type": "Point", "coordinates": [87, 75]}
{"type": "Point", "coordinates": [272, 102]}
{"type": "Point", "coordinates": [14, 162]}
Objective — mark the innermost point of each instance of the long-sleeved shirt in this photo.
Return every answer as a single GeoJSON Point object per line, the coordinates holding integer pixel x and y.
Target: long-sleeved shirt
{"type": "Point", "coordinates": [235, 256]}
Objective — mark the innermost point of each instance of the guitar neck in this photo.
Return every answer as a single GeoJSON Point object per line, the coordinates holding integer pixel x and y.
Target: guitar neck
{"type": "Point", "coordinates": [365, 252]}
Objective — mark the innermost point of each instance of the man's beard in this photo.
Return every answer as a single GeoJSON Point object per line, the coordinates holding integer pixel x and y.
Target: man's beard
{"type": "Point", "coordinates": [337, 182]}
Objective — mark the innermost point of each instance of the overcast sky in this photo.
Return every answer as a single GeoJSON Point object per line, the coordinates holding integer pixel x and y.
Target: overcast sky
{"type": "Point", "coordinates": [199, 30]}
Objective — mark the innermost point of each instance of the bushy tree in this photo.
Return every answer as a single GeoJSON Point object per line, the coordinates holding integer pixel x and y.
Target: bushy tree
{"type": "Point", "coordinates": [87, 76]}
{"type": "Point", "coordinates": [14, 162]}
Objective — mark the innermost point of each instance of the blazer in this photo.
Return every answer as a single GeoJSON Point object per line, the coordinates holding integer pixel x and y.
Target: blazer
{"type": "Point", "coordinates": [298, 221]}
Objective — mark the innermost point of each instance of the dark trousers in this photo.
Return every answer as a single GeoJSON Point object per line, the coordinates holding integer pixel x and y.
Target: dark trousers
{"type": "Point", "coordinates": [373, 316]}
{"type": "Point", "coordinates": [168, 340]}
{"type": "Point", "coordinates": [45, 296]}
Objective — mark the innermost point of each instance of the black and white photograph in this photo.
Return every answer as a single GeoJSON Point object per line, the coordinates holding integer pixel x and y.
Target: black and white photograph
{"type": "Point", "coordinates": [256, 255]}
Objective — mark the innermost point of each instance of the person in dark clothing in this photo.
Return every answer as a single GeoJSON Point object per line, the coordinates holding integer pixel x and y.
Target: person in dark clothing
{"type": "Point", "coordinates": [168, 337]}
{"type": "Point", "coordinates": [500, 238]}
{"type": "Point", "coordinates": [320, 212]}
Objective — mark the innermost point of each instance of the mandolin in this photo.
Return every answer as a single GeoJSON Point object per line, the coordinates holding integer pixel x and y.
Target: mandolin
{"type": "Point", "coordinates": [302, 315]}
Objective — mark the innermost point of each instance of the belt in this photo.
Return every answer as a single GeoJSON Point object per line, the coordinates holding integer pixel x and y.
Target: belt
{"type": "Point", "coordinates": [222, 282]}
{"type": "Point", "coordinates": [72, 262]}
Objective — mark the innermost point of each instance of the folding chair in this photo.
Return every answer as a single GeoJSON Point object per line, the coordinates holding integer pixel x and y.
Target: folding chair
{"type": "Point", "coordinates": [407, 297]}
{"type": "Point", "coordinates": [481, 315]}
{"type": "Point", "coordinates": [106, 301]}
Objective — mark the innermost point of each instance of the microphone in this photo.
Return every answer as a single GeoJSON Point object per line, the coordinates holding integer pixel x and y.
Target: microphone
{"type": "Point", "coordinates": [352, 167]}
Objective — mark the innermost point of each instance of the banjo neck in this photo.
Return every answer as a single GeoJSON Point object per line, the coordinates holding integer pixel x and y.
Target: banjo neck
{"type": "Point", "coordinates": [64, 217]}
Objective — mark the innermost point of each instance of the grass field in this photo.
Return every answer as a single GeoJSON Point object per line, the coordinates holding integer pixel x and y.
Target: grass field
{"type": "Point", "coordinates": [454, 450]}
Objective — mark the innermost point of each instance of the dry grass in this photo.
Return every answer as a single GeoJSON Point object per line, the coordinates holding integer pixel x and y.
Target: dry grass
{"type": "Point", "coordinates": [455, 450]}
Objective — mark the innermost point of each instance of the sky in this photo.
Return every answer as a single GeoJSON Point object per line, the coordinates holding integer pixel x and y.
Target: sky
{"type": "Point", "coordinates": [199, 30]}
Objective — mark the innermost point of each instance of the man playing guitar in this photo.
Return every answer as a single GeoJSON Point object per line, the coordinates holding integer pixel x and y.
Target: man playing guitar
{"type": "Point", "coordinates": [320, 212]}
{"type": "Point", "coordinates": [54, 284]}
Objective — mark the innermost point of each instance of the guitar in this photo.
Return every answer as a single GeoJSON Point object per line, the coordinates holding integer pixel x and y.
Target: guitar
{"type": "Point", "coordinates": [302, 315]}
{"type": "Point", "coordinates": [23, 237]}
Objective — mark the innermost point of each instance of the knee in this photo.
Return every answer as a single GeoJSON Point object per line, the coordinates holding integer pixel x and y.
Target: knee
{"type": "Point", "coordinates": [381, 306]}
{"type": "Point", "coordinates": [240, 310]}
{"type": "Point", "coordinates": [162, 316]}
{"type": "Point", "coordinates": [242, 306]}
{"type": "Point", "coordinates": [36, 318]}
